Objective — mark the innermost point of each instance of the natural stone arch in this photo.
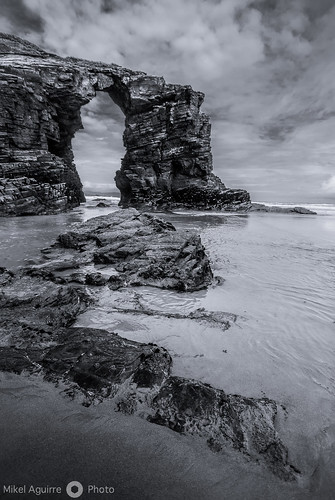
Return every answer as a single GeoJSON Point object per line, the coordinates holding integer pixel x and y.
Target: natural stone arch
{"type": "Point", "coordinates": [168, 157]}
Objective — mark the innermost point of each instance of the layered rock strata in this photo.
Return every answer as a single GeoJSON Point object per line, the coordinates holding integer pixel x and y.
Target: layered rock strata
{"type": "Point", "coordinates": [142, 249]}
{"type": "Point", "coordinates": [40, 303]}
{"type": "Point", "coordinates": [167, 138]}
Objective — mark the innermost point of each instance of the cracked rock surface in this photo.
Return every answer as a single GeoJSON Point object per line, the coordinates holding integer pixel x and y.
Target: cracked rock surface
{"type": "Point", "coordinates": [143, 250]}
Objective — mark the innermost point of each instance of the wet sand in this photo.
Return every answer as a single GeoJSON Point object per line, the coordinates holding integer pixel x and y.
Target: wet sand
{"type": "Point", "coordinates": [50, 440]}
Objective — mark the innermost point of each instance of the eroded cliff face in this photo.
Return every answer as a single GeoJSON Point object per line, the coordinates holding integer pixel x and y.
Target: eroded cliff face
{"type": "Point", "coordinates": [167, 138]}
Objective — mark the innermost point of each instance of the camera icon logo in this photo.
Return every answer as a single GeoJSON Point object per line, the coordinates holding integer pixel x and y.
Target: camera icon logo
{"type": "Point", "coordinates": [74, 489]}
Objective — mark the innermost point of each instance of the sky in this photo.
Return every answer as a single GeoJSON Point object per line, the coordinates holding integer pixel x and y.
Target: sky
{"type": "Point", "coordinates": [267, 68]}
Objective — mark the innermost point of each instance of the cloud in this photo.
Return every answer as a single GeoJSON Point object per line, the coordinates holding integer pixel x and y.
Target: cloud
{"type": "Point", "coordinates": [17, 16]}
{"type": "Point", "coordinates": [98, 147]}
{"type": "Point", "coordinates": [329, 185]}
{"type": "Point", "coordinates": [266, 66]}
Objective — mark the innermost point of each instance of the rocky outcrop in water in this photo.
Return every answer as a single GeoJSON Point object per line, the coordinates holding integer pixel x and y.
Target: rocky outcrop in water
{"type": "Point", "coordinates": [260, 207]}
{"type": "Point", "coordinates": [141, 248]}
{"type": "Point", "coordinates": [40, 303]}
{"type": "Point", "coordinates": [167, 138]}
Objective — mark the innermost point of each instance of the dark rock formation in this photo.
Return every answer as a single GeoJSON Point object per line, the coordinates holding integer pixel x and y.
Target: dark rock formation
{"type": "Point", "coordinates": [259, 207]}
{"type": "Point", "coordinates": [195, 408]}
{"type": "Point", "coordinates": [143, 249]}
{"type": "Point", "coordinates": [33, 308]}
{"type": "Point", "coordinates": [40, 303]}
{"type": "Point", "coordinates": [137, 376]}
{"type": "Point", "coordinates": [167, 138]}
{"type": "Point", "coordinates": [101, 204]}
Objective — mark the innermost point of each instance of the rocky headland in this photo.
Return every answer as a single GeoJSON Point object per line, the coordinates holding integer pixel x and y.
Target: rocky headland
{"type": "Point", "coordinates": [275, 209]}
{"type": "Point", "coordinates": [168, 159]}
{"type": "Point", "coordinates": [114, 255]}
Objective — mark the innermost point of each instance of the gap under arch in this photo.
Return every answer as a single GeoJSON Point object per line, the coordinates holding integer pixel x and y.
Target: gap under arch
{"type": "Point", "coordinates": [98, 147]}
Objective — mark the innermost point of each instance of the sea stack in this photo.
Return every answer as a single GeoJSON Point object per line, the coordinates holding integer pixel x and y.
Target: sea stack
{"type": "Point", "coordinates": [168, 160]}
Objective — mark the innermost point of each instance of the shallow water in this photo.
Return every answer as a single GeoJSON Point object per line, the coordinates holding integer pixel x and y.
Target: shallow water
{"type": "Point", "coordinates": [279, 275]}
{"type": "Point", "coordinates": [21, 238]}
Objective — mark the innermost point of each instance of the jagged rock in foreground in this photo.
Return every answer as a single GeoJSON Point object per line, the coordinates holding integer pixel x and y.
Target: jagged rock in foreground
{"type": "Point", "coordinates": [195, 408]}
{"type": "Point", "coordinates": [143, 249]}
{"type": "Point", "coordinates": [33, 308]}
{"type": "Point", "coordinates": [167, 138]}
{"type": "Point", "coordinates": [137, 376]}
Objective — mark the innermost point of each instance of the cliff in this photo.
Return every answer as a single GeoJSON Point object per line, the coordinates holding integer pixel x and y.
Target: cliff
{"type": "Point", "coordinates": [168, 157]}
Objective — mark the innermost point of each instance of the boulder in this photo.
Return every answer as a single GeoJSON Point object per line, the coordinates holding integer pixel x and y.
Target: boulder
{"type": "Point", "coordinates": [144, 249]}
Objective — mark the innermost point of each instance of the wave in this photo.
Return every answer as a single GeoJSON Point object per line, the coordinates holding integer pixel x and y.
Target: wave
{"type": "Point", "coordinates": [113, 200]}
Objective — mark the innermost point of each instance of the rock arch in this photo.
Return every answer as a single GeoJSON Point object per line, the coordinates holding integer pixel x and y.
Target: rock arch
{"type": "Point", "coordinates": [168, 157]}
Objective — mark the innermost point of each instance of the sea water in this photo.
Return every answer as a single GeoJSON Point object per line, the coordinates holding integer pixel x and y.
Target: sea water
{"type": "Point", "coordinates": [279, 272]}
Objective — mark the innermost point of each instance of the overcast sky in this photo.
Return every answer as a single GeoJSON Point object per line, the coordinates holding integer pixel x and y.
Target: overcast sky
{"type": "Point", "coordinates": [267, 68]}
